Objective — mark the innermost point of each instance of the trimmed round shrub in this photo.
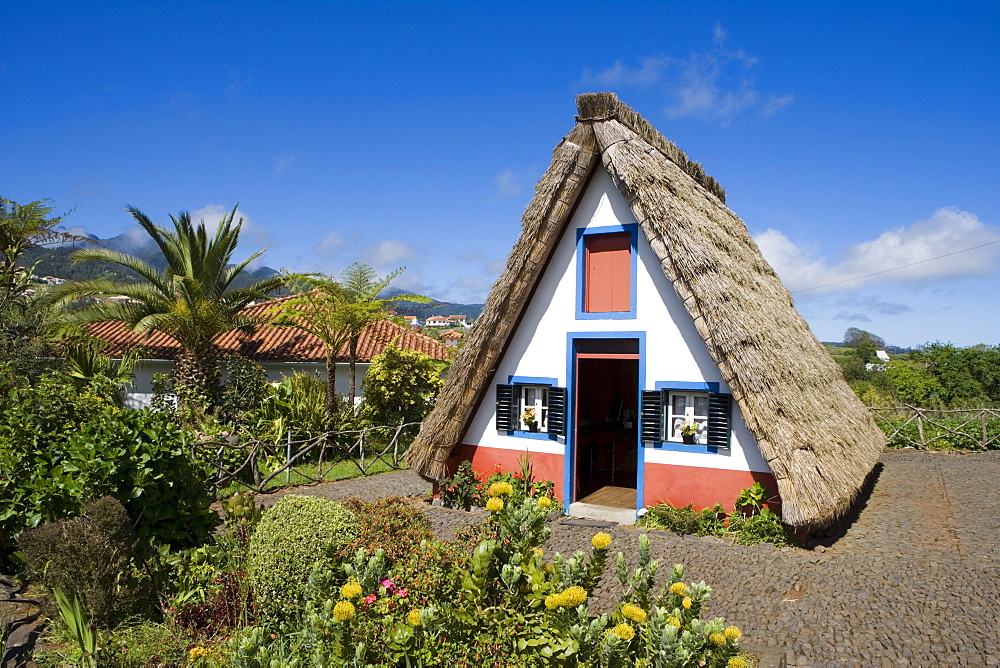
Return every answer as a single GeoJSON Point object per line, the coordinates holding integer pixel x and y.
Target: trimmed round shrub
{"type": "Point", "coordinates": [292, 537]}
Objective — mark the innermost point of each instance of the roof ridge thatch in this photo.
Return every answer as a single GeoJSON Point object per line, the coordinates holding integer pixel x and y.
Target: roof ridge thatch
{"type": "Point", "coordinates": [817, 438]}
{"type": "Point", "coordinates": [606, 106]}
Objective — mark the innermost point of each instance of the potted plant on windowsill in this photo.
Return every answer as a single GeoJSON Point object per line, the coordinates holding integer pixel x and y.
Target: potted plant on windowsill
{"type": "Point", "coordinates": [689, 430]}
{"type": "Point", "coordinates": [529, 419]}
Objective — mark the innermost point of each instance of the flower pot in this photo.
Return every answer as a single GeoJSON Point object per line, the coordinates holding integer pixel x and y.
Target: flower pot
{"type": "Point", "coordinates": [532, 426]}
{"type": "Point", "coordinates": [687, 439]}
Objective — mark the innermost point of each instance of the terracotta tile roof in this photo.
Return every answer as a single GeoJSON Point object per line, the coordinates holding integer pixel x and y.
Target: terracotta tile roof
{"type": "Point", "coordinates": [269, 343]}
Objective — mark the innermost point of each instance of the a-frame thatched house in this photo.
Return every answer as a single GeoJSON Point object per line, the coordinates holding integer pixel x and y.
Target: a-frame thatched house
{"type": "Point", "coordinates": [634, 303]}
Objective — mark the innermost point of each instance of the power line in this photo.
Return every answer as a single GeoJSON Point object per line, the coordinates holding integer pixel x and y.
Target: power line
{"type": "Point", "coordinates": [904, 266]}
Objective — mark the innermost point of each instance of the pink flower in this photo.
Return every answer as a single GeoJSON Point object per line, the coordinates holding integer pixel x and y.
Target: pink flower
{"type": "Point", "coordinates": [401, 592]}
{"type": "Point", "coordinates": [387, 583]}
{"type": "Point", "coordinates": [369, 599]}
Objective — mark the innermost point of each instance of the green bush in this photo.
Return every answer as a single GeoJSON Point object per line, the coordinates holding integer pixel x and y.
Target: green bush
{"type": "Point", "coordinates": [298, 533]}
{"type": "Point", "coordinates": [60, 447]}
{"type": "Point", "coordinates": [686, 520]}
{"type": "Point", "coordinates": [90, 557]}
{"type": "Point", "coordinates": [392, 524]}
{"type": "Point", "coordinates": [764, 527]}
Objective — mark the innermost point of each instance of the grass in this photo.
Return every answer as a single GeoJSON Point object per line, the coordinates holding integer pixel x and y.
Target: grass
{"type": "Point", "coordinates": [343, 470]}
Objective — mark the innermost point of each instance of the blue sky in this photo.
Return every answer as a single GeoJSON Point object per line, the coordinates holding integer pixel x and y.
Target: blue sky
{"type": "Point", "coordinates": [852, 138]}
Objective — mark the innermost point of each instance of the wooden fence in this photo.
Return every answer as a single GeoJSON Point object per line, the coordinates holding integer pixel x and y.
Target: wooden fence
{"type": "Point", "coordinates": [971, 429]}
{"type": "Point", "coordinates": [311, 460]}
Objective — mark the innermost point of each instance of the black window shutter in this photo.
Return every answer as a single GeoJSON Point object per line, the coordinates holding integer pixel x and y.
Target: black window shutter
{"type": "Point", "coordinates": [557, 411]}
{"type": "Point", "coordinates": [718, 420]}
{"type": "Point", "coordinates": [651, 414]}
{"type": "Point", "coordinates": [506, 408]}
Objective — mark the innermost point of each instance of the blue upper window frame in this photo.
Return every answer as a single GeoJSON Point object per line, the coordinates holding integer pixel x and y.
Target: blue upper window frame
{"type": "Point", "coordinates": [581, 270]}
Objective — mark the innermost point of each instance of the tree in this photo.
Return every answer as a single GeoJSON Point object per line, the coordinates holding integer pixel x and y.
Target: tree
{"type": "Point", "coordinates": [315, 308]}
{"type": "Point", "coordinates": [854, 337]}
{"type": "Point", "coordinates": [192, 300]}
{"type": "Point", "coordinates": [363, 306]}
{"type": "Point", "coordinates": [400, 386]}
{"type": "Point", "coordinates": [337, 313]}
{"type": "Point", "coordinates": [23, 227]}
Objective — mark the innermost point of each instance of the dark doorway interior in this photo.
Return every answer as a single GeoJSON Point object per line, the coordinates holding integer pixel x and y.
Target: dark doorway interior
{"type": "Point", "coordinates": [607, 390]}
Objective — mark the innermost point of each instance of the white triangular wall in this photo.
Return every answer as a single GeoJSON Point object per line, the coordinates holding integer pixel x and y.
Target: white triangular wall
{"type": "Point", "coordinates": [673, 350]}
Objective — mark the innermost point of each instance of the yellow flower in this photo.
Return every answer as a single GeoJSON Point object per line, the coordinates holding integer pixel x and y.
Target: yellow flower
{"type": "Point", "coordinates": [718, 639]}
{"type": "Point", "coordinates": [351, 590]}
{"type": "Point", "coordinates": [574, 596]}
{"type": "Point", "coordinates": [687, 602]}
{"type": "Point", "coordinates": [673, 621]}
{"type": "Point", "coordinates": [538, 552]}
{"type": "Point", "coordinates": [501, 488]}
{"type": "Point", "coordinates": [553, 601]}
{"type": "Point", "coordinates": [413, 617]}
{"type": "Point", "coordinates": [679, 588]}
{"type": "Point", "coordinates": [494, 504]}
{"type": "Point", "coordinates": [343, 611]}
{"type": "Point", "coordinates": [634, 612]}
{"type": "Point", "coordinates": [733, 632]}
{"type": "Point", "coordinates": [196, 653]}
{"type": "Point", "coordinates": [736, 662]}
{"type": "Point", "coordinates": [544, 502]}
{"type": "Point", "coordinates": [624, 631]}
{"type": "Point", "coordinates": [601, 541]}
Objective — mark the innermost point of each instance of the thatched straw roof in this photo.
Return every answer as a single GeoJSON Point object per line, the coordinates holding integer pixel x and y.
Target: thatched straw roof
{"type": "Point", "coordinates": [812, 430]}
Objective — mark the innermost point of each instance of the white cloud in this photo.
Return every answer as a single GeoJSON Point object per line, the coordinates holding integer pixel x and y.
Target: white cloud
{"type": "Point", "coordinates": [712, 85]}
{"type": "Point", "coordinates": [389, 253]}
{"type": "Point", "coordinates": [873, 304]}
{"type": "Point", "coordinates": [917, 253]}
{"type": "Point", "coordinates": [253, 237]}
{"type": "Point", "coordinates": [331, 245]}
{"type": "Point", "coordinates": [649, 72]}
{"type": "Point", "coordinates": [286, 160]}
{"type": "Point", "coordinates": [511, 182]}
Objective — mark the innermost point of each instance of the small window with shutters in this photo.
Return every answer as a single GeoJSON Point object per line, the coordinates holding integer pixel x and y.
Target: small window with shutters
{"type": "Point", "coordinates": [685, 419]}
{"type": "Point", "coordinates": [531, 409]}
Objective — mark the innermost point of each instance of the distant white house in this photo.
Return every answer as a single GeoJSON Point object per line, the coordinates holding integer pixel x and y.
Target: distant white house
{"type": "Point", "coordinates": [883, 357]}
{"type": "Point", "coordinates": [282, 351]}
{"type": "Point", "coordinates": [438, 321]}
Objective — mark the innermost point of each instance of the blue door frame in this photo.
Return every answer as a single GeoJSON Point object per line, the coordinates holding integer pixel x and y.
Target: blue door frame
{"type": "Point", "coordinates": [569, 457]}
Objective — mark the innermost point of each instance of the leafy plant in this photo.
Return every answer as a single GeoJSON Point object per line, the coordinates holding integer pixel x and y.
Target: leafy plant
{"type": "Point", "coordinates": [91, 557]}
{"type": "Point", "coordinates": [686, 520]}
{"type": "Point", "coordinates": [60, 446]}
{"type": "Point", "coordinates": [392, 524]}
{"type": "Point", "coordinates": [400, 386]}
{"type": "Point", "coordinates": [462, 490]}
{"type": "Point", "coordinates": [752, 497]}
{"type": "Point", "coordinates": [298, 533]}
{"type": "Point", "coordinates": [79, 626]}
{"type": "Point", "coordinates": [765, 526]}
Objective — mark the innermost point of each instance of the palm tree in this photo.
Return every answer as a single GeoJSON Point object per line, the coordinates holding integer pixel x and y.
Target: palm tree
{"type": "Point", "coordinates": [363, 306]}
{"type": "Point", "coordinates": [192, 300]}
{"type": "Point", "coordinates": [314, 308]}
{"type": "Point", "coordinates": [24, 226]}
{"type": "Point", "coordinates": [337, 313]}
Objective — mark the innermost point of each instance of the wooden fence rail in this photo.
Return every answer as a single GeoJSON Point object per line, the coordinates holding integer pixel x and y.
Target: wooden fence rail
{"type": "Point", "coordinates": [923, 428]}
{"type": "Point", "coordinates": [312, 459]}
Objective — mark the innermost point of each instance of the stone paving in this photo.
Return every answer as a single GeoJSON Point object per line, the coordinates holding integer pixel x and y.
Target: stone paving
{"type": "Point", "coordinates": [911, 577]}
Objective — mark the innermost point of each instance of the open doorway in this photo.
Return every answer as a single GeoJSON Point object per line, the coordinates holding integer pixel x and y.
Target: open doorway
{"type": "Point", "coordinates": [607, 391]}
